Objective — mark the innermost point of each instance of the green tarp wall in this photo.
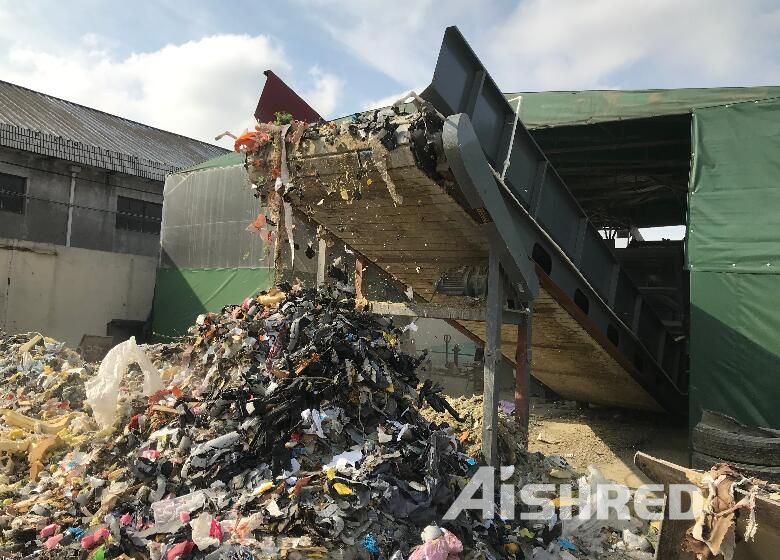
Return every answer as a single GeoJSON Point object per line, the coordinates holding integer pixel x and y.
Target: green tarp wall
{"type": "Point", "coordinates": [180, 295]}
{"type": "Point", "coordinates": [208, 259]}
{"type": "Point", "coordinates": [734, 261]}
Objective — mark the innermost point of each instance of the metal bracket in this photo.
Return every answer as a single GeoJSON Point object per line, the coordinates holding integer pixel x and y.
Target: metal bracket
{"type": "Point", "coordinates": [472, 171]}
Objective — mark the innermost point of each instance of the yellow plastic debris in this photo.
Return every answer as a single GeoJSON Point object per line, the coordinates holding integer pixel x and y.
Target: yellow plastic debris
{"type": "Point", "coordinates": [526, 534]}
{"type": "Point", "coordinates": [16, 433]}
{"type": "Point", "coordinates": [564, 501]}
{"type": "Point", "coordinates": [8, 501]}
{"type": "Point", "coordinates": [37, 453]}
{"type": "Point", "coordinates": [274, 296]}
{"type": "Point", "coordinates": [330, 473]}
{"type": "Point", "coordinates": [13, 418]}
{"type": "Point", "coordinates": [342, 489]}
{"type": "Point", "coordinates": [12, 447]}
{"type": "Point", "coordinates": [264, 487]}
{"type": "Point", "coordinates": [27, 346]}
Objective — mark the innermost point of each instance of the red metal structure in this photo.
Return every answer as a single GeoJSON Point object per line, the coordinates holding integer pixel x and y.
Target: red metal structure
{"type": "Point", "coordinates": [279, 97]}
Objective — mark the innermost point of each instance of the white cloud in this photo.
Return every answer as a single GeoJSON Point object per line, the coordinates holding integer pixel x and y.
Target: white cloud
{"type": "Point", "coordinates": [399, 41]}
{"type": "Point", "coordinates": [568, 44]}
{"type": "Point", "coordinates": [198, 88]}
{"type": "Point", "coordinates": [388, 99]}
{"type": "Point", "coordinates": [324, 95]}
{"type": "Point", "coordinates": [554, 44]}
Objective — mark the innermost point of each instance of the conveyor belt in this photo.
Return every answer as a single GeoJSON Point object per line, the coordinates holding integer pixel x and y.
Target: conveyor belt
{"type": "Point", "coordinates": [594, 339]}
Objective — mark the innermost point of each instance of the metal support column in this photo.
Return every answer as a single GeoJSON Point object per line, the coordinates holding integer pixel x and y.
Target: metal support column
{"type": "Point", "coordinates": [523, 370]}
{"type": "Point", "coordinates": [495, 305]}
{"type": "Point", "coordinates": [74, 171]}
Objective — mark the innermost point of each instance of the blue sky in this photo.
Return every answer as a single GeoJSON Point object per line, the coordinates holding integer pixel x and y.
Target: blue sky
{"type": "Point", "coordinates": [195, 67]}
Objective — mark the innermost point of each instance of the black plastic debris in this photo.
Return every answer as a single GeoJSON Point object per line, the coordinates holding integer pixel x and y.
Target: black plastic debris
{"type": "Point", "coordinates": [289, 422]}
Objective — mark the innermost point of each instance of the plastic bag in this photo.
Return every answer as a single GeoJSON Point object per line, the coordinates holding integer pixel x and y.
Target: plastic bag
{"type": "Point", "coordinates": [202, 532]}
{"type": "Point", "coordinates": [446, 547]}
{"type": "Point", "coordinates": [103, 389]}
{"type": "Point", "coordinates": [588, 529]}
{"type": "Point", "coordinates": [166, 511]}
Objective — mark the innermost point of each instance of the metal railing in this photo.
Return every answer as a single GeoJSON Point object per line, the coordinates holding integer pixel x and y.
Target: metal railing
{"type": "Point", "coordinates": [83, 154]}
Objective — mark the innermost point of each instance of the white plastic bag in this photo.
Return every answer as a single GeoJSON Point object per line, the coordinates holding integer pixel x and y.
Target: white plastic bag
{"type": "Point", "coordinates": [166, 511]}
{"type": "Point", "coordinates": [103, 389]}
{"type": "Point", "coordinates": [201, 532]}
{"type": "Point", "coordinates": [588, 528]}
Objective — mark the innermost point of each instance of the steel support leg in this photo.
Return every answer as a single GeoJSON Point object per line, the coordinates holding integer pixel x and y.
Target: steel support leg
{"type": "Point", "coordinates": [495, 305]}
{"type": "Point", "coordinates": [523, 371]}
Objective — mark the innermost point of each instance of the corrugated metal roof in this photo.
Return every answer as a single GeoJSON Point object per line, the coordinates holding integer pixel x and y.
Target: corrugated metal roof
{"type": "Point", "coordinates": [230, 159]}
{"type": "Point", "coordinates": [31, 110]}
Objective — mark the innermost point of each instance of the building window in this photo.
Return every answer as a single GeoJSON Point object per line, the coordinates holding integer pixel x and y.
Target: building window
{"type": "Point", "coordinates": [12, 193]}
{"type": "Point", "coordinates": [138, 215]}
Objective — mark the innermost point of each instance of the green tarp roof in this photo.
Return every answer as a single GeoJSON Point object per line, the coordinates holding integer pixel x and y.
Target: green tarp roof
{"type": "Point", "coordinates": [562, 108]}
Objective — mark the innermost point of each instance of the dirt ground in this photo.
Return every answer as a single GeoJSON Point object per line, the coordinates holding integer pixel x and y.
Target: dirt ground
{"type": "Point", "coordinates": [607, 438]}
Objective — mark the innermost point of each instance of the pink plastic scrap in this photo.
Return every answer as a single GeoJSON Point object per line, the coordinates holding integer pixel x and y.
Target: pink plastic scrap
{"type": "Point", "coordinates": [151, 454]}
{"type": "Point", "coordinates": [94, 539]}
{"type": "Point", "coordinates": [51, 542]}
{"type": "Point", "coordinates": [180, 550]}
{"type": "Point", "coordinates": [49, 530]}
{"type": "Point", "coordinates": [446, 547]}
{"type": "Point", "coordinates": [216, 530]}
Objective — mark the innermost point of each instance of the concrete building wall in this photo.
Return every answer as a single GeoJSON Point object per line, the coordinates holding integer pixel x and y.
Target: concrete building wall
{"type": "Point", "coordinates": [95, 202]}
{"type": "Point", "coordinates": [67, 292]}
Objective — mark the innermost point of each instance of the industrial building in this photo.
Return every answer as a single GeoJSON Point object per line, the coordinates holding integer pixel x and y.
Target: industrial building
{"type": "Point", "coordinates": [80, 213]}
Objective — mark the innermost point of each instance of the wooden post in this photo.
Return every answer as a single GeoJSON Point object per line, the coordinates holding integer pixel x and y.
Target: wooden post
{"type": "Point", "coordinates": [672, 531]}
{"type": "Point", "coordinates": [322, 250]}
{"type": "Point", "coordinates": [523, 371]}
{"type": "Point", "coordinates": [280, 237]}
{"type": "Point", "coordinates": [495, 305]}
{"type": "Point", "coordinates": [359, 278]}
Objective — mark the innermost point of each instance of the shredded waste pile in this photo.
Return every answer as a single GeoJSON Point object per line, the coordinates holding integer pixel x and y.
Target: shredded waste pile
{"type": "Point", "coordinates": [512, 438]}
{"type": "Point", "coordinates": [42, 394]}
{"type": "Point", "coordinates": [288, 426]}
{"type": "Point", "coordinates": [290, 422]}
